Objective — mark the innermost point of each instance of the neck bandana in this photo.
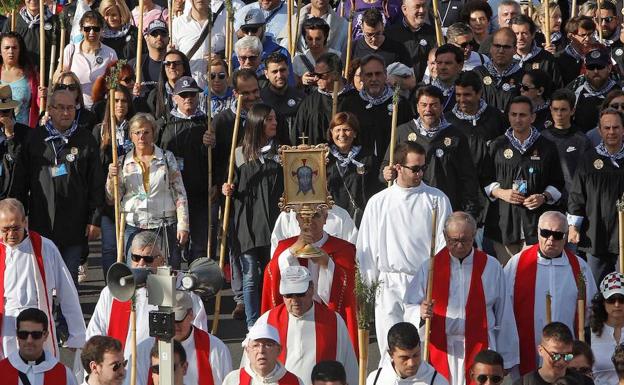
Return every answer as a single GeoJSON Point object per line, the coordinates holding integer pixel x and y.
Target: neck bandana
{"type": "Point", "coordinates": [589, 90]}
{"type": "Point", "coordinates": [474, 118]}
{"type": "Point", "coordinates": [268, 152]}
{"type": "Point", "coordinates": [108, 33]}
{"type": "Point", "coordinates": [54, 134]}
{"type": "Point", "coordinates": [31, 20]}
{"type": "Point", "coordinates": [178, 114]}
{"type": "Point", "coordinates": [512, 69]}
{"type": "Point", "coordinates": [432, 131]}
{"type": "Point", "coordinates": [446, 90]}
{"type": "Point", "coordinates": [534, 51]}
{"type": "Point", "coordinates": [573, 52]}
{"type": "Point", "coordinates": [345, 161]}
{"type": "Point", "coordinates": [374, 101]}
{"type": "Point", "coordinates": [522, 147]}
{"type": "Point", "coordinates": [601, 149]}
{"type": "Point", "coordinates": [344, 89]}
{"type": "Point", "coordinates": [541, 107]}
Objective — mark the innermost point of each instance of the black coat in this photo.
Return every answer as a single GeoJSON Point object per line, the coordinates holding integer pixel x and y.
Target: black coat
{"type": "Point", "coordinates": [418, 44]}
{"type": "Point", "coordinates": [11, 166]}
{"type": "Point", "coordinates": [587, 106]}
{"type": "Point", "coordinates": [499, 94]}
{"type": "Point", "coordinates": [569, 66]}
{"type": "Point", "coordinates": [124, 46]}
{"type": "Point", "coordinates": [546, 62]}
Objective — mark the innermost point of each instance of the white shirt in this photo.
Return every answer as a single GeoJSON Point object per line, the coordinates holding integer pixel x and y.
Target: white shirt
{"type": "Point", "coordinates": [36, 373]}
{"type": "Point", "coordinates": [502, 333]}
{"type": "Point", "coordinates": [338, 224]}
{"type": "Point", "coordinates": [23, 288]}
{"type": "Point", "coordinates": [395, 232]}
{"type": "Point", "coordinates": [388, 376]}
{"type": "Point", "coordinates": [186, 31]}
{"type": "Point", "coordinates": [299, 65]}
{"type": "Point", "coordinates": [219, 24]}
{"type": "Point", "coordinates": [301, 346]}
{"type": "Point", "coordinates": [603, 348]}
{"type": "Point", "coordinates": [276, 17]}
{"type": "Point", "coordinates": [98, 325]}
{"type": "Point", "coordinates": [234, 377]}
{"type": "Point", "coordinates": [220, 360]}
{"type": "Point", "coordinates": [554, 276]}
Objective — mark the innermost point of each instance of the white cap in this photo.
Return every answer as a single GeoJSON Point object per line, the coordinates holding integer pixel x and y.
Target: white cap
{"type": "Point", "coordinates": [295, 280]}
{"type": "Point", "coordinates": [217, 43]}
{"type": "Point", "coordinates": [400, 70]}
{"type": "Point", "coordinates": [261, 330]}
{"type": "Point", "coordinates": [183, 304]}
{"type": "Point", "coordinates": [612, 283]}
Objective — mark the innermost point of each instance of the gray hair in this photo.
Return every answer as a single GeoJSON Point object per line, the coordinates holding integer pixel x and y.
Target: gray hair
{"type": "Point", "coordinates": [512, 3]}
{"type": "Point", "coordinates": [249, 42]}
{"type": "Point", "coordinates": [588, 8]}
{"type": "Point", "coordinates": [553, 215]}
{"type": "Point", "coordinates": [459, 217]}
{"type": "Point", "coordinates": [12, 205]}
{"type": "Point", "coordinates": [54, 93]}
{"type": "Point", "coordinates": [456, 30]}
{"type": "Point", "coordinates": [146, 239]}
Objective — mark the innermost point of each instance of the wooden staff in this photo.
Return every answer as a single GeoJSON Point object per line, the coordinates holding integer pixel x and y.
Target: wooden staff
{"type": "Point", "coordinates": [335, 98]}
{"type": "Point", "coordinates": [548, 308]}
{"type": "Point", "coordinates": [13, 20]}
{"type": "Point", "coordinates": [546, 5]}
{"type": "Point", "coordinates": [209, 127]}
{"type": "Point", "coordinates": [296, 39]}
{"type": "Point", "coordinates": [395, 118]}
{"type": "Point", "coordinates": [438, 25]}
{"type": "Point", "coordinates": [434, 225]}
{"type": "Point", "coordinates": [363, 340]}
{"type": "Point", "coordinates": [289, 11]}
{"type": "Point", "coordinates": [121, 249]}
{"type": "Point", "coordinates": [62, 44]}
{"type": "Point", "coordinates": [170, 20]}
{"type": "Point", "coordinates": [139, 53]}
{"type": "Point", "coordinates": [599, 21]}
{"type": "Point", "coordinates": [42, 47]}
{"type": "Point", "coordinates": [349, 42]}
{"type": "Point", "coordinates": [226, 210]}
{"type": "Point", "coordinates": [113, 137]}
{"type": "Point", "coordinates": [620, 208]}
{"type": "Point", "coordinates": [580, 305]}
{"type": "Point", "coordinates": [573, 12]}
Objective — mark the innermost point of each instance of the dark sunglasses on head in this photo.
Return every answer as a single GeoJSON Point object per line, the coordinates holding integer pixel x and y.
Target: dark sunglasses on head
{"type": "Point", "coordinates": [615, 298]}
{"type": "Point", "coordinates": [482, 379]}
{"type": "Point", "coordinates": [23, 334]}
{"type": "Point", "coordinates": [247, 30]}
{"type": "Point", "coordinates": [557, 235]}
{"type": "Point", "coordinates": [91, 28]}
{"type": "Point", "coordinates": [295, 295]}
{"type": "Point", "coordinates": [71, 87]}
{"type": "Point", "coordinates": [595, 67]}
{"type": "Point", "coordinates": [146, 258]}
{"type": "Point", "coordinates": [220, 75]}
{"type": "Point", "coordinates": [417, 168]}
{"type": "Point", "coordinates": [172, 63]}
{"type": "Point", "coordinates": [118, 365]}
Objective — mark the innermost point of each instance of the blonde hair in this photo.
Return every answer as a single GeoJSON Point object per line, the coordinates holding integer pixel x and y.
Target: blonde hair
{"type": "Point", "coordinates": [141, 119]}
{"type": "Point", "coordinates": [538, 15]}
{"type": "Point", "coordinates": [124, 12]}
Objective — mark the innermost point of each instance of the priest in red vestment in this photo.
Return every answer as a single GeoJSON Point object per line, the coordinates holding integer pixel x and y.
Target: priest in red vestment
{"type": "Point", "coordinates": [333, 273]}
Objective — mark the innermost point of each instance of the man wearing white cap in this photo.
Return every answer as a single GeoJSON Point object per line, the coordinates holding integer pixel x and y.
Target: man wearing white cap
{"type": "Point", "coordinates": [207, 357]}
{"type": "Point", "coordinates": [262, 346]}
{"type": "Point", "coordinates": [310, 332]}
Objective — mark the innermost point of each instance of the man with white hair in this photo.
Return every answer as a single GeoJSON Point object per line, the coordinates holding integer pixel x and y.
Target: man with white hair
{"type": "Point", "coordinates": [310, 332]}
{"type": "Point", "coordinates": [262, 348]}
{"type": "Point", "coordinates": [461, 36]}
{"type": "Point", "coordinates": [506, 10]}
{"type": "Point", "coordinates": [111, 317]}
{"type": "Point", "coordinates": [546, 269]}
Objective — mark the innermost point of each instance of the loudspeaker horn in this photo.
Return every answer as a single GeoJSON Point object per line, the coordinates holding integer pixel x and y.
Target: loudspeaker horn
{"type": "Point", "coordinates": [122, 281]}
{"type": "Point", "coordinates": [204, 277]}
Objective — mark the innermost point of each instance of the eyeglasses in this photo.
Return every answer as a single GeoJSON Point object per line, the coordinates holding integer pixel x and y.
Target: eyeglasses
{"type": "Point", "coordinates": [12, 229]}
{"type": "Point", "coordinates": [64, 108]}
{"type": "Point", "coordinates": [417, 168]}
{"type": "Point", "coordinates": [220, 75]}
{"type": "Point", "coordinates": [482, 378]}
{"type": "Point", "coordinates": [248, 30]}
{"type": "Point", "coordinates": [502, 46]}
{"type": "Point", "coordinates": [557, 235]}
{"type": "Point", "coordinates": [119, 364]}
{"type": "Point", "coordinates": [524, 87]}
{"type": "Point", "coordinates": [295, 295]}
{"type": "Point", "coordinates": [596, 67]}
{"type": "Point", "coordinates": [90, 28]}
{"type": "Point", "coordinates": [617, 106]}
{"type": "Point", "coordinates": [146, 258]}
{"type": "Point", "coordinates": [615, 298]}
{"type": "Point", "coordinates": [141, 133]}
{"type": "Point", "coordinates": [172, 63]}
{"type": "Point", "coordinates": [36, 335]}
{"type": "Point", "coordinates": [156, 368]}
{"type": "Point", "coordinates": [567, 357]}
{"type": "Point", "coordinates": [259, 345]}
{"type": "Point", "coordinates": [247, 58]}
{"type": "Point", "coordinates": [456, 241]}
{"type": "Point", "coordinates": [607, 19]}
{"type": "Point", "coordinates": [465, 44]}
{"type": "Point", "coordinates": [158, 33]}
{"type": "Point", "coordinates": [70, 87]}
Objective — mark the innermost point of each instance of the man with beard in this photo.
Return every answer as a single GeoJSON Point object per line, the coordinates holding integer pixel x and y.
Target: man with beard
{"type": "Point", "coordinates": [580, 31]}
{"type": "Point", "coordinates": [502, 77]}
{"type": "Point", "coordinates": [374, 41]}
{"type": "Point", "coordinates": [609, 23]}
{"type": "Point", "coordinates": [157, 38]}
{"type": "Point", "coordinates": [590, 89]}
{"type": "Point", "coordinates": [103, 360]}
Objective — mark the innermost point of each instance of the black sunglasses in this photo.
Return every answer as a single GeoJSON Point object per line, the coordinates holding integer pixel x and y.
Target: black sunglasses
{"type": "Point", "coordinates": [296, 295]}
{"type": "Point", "coordinates": [482, 378]}
{"type": "Point", "coordinates": [615, 298]}
{"type": "Point", "coordinates": [23, 334]}
{"type": "Point", "coordinates": [524, 87]}
{"type": "Point", "coordinates": [158, 32]}
{"type": "Point", "coordinates": [146, 258]}
{"type": "Point", "coordinates": [595, 67]}
{"type": "Point", "coordinates": [465, 44]}
{"type": "Point", "coordinates": [118, 365]}
{"type": "Point", "coordinates": [156, 368]}
{"type": "Point", "coordinates": [172, 63]}
{"type": "Point", "coordinates": [557, 235]}
{"type": "Point", "coordinates": [247, 30]}
{"type": "Point", "coordinates": [567, 357]}
{"type": "Point", "coordinates": [220, 75]}
{"type": "Point", "coordinates": [608, 19]}
{"type": "Point", "coordinates": [71, 87]}
{"type": "Point", "coordinates": [91, 28]}
{"type": "Point", "coordinates": [417, 168]}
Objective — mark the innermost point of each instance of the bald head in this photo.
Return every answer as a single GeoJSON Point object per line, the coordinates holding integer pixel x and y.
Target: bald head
{"type": "Point", "coordinates": [460, 219]}
{"type": "Point", "coordinates": [553, 218]}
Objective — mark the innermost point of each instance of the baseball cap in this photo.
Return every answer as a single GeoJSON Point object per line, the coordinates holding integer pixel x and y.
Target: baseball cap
{"type": "Point", "coordinates": [183, 304]}
{"type": "Point", "coordinates": [186, 84]}
{"type": "Point", "coordinates": [156, 25]}
{"type": "Point", "coordinates": [295, 280]}
{"type": "Point", "coordinates": [612, 283]}
{"type": "Point", "coordinates": [597, 57]}
{"type": "Point", "coordinates": [253, 18]}
{"type": "Point", "coordinates": [400, 70]}
{"type": "Point", "coordinates": [262, 330]}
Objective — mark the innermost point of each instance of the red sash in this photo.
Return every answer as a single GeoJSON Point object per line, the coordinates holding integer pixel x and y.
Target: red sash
{"type": "Point", "coordinates": [287, 379]}
{"type": "Point", "coordinates": [476, 327]}
{"type": "Point", "coordinates": [119, 321]}
{"type": "Point", "coordinates": [35, 241]}
{"type": "Point", "coordinates": [326, 333]}
{"type": "Point", "coordinates": [55, 376]}
{"type": "Point", "coordinates": [524, 304]}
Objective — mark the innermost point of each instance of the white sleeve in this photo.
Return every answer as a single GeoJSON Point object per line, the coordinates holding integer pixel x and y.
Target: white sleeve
{"type": "Point", "coordinates": [506, 331]}
{"type": "Point", "coordinates": [98, 325]}
{"type": "Point", "coordinates": [144, 349]}
{"type": "Point", "coordinates": [232, 378]}
{"type": "Point", "coordinates": [220, 360]}
{"type": "Point", "coordinates": [71, 379]}
{"type": "Point", "coordinates": [366, 245]}
{"type": "Point", "coordinates": [444, 211]}
{"type": "Point", "coordinates": [325, 279]}
{"type": "Point", "coordinates": [278, 231]}
{"type": "Point", "coordinates": [346, 353]}
{"type": "Point", "coordinates": [590, 288]}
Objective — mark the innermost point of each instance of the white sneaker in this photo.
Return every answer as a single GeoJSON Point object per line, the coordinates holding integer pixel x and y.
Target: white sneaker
{"type": "Point", "coordinates": [83, 272]}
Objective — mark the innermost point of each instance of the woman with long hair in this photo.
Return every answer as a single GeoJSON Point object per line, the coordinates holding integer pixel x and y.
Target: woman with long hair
{"type": "Point", "coordinates": [258, 185]}
{"type": "Point", "coordinates": [99, 92]}
{"type": "Point", "coordinates": [175, 65]}
{"type": "Point", "coordinates": [537, 86]}
{"type": "Point", "coordinates": [558, 37]}
{"type": "Point", "coordinates": [118, 33]}
{"type": "Point", "coordinates": [20, 74]}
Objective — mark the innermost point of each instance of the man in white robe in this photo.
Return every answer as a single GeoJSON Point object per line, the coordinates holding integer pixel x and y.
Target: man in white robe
{"type": "Point", "coordinates": [310, 332]}
{"type": "Point", "coordinates": [31, 268]}
{"type": "Point", "coordinates": [111, 317]}
{"type": "Point", "coordinates": [546, 268]}
{"type": "Point", "coordinates": [454, 269]}
{"type": "Point", "coordinates": [395, 235]}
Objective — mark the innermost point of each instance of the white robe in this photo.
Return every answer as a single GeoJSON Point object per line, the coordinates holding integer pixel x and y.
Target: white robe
{"type": "Point", "coordinates": [36, 373]}
{"type": "Point", "coordinates": [502, 333]}
{"type": "Point", "coordinates": [233, 378]}
{"type": "Point", "coordinates": [387, 376]}
{"type": "Point", "coordinates": [393, 241]}
{"type": "Point", "coordinates": [220, 360]}
{"type": "Point", "coordinates": [23, 288]}
{"type": "Point", "coordinates": [338, 224]}
{"type": "Point", "coordinates": [554, 276]}
{"type": "Point", "coordinates": [603, 348]}
{"type": "Point", "coordinates": [102, 313]}
{"type": "Point", "coordinates": [301, 347]}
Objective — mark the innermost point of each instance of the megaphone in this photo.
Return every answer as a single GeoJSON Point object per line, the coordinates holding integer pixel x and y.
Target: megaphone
{"type": "Point", "coordinates": [122, 281]}
{"type": "Point", "coordinates": [204, 277]}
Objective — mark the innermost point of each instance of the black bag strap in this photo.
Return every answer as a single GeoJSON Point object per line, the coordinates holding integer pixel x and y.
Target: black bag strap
{"type": "Point", "coordinates": [216, 14]}
{"type": "Point", "coordinates": [377, 376]}
{"type": "Point", "coordinates": [307, 63]}
{"type": "Point", "coordinates": [435, 373]}
{"type": "Point", "coordinates": [24, 378]}
{"type": "Point", "coordinates": [199, 41]}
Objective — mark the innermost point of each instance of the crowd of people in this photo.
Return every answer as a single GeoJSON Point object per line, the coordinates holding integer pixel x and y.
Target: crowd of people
{"type": "Point", "coordinates": [489, 226]}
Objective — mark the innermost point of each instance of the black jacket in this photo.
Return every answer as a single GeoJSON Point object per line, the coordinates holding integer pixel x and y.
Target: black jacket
{"type": "Point", "coordinates": [11, 166]}
{"type": "Point", "coordinates": [124, 46]}
{"type": "Point", "coordinates": [499, 94]}
{"type": "Point", "coordinates": [418, 44]}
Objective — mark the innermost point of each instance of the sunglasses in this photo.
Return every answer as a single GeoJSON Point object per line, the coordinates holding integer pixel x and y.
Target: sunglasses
{"type": "Point", "coordinates": [615, 298]}
{"type": "Point", "coordinates": [557, 235]}
{"type": "Point", "coordinates": [465, 44]}
{"type": "Point", "coordinates": [246, 58]}
{"type": "Point", "coordinates": [91, 28]}
{"type": "Point", "coordinates": [296, 295]}
{"type": "Point", "coordinates": [220, 75]}
{"type": "Point", "coordinates": [596, 67]}
{"type": "Point", "coordinates": [567, 357]}
{"type": "Point", "coordinates": [158, 33]}
{"type": "Point", "coordinates": [607, 19]}
{"type": "Point", "coordinates": [322, 75]}
{"type": "Point", "coordinates": [482, 378]}
{"type": "Point", "coordinates": [502, 46]}
{"type": "Point", "coordinates": [156, 368]}
{"type": "Point", "coordinates": [247, 30]}
{"type": "Point", "coordinates": [524, 87]}
{"type": "Point", "coordinates": [416, 169]}
{"type": "Point", "coordinates": [118, 365]}
{"type": "Point", "coordinates": [70, 87]}
{"type": "Point", "coordinates": [617, 106]}
{"type": "Point", "coordinates": [23, 334]}
{"type": "Point", "coordinates": [172, 63]}
{"type": "Point", "coordinates": [146, 258]}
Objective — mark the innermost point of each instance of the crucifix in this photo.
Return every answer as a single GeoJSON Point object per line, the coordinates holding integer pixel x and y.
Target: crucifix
{"type": "Point", "coordinates": [303, 138]}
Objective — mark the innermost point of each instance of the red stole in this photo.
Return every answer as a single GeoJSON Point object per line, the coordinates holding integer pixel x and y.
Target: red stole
{"type": "Point", "coordinates": [325, 329]}
{"type": "Point", "coordinates": [55, 376]}
{"type": "Point", "coordinates": [287, 379]}
{"type": "Point", "coordinates": [119, 321]}
{"type": "Point", "coordinates": [35, 241]}
{"type": "Point", "coordinates": [524, 304]}
{"type": "Point", "coordinates": [476, 327]}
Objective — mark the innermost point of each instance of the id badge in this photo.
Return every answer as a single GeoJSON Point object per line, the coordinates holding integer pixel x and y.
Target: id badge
{"type": "Point", "coordinates": [520, 185]}
{"type": "Point", "coordinates": [59, 170]}
{"type": "Point", "coordinates": [180, 162]}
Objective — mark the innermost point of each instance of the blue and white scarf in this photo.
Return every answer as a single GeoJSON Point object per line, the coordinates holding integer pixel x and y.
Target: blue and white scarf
{"type": "Point", "coordinates": [601, 149]}
{"type": "Point", "coordinates": [535, 50]}
{"type": "Point", "coordinates": [268, 152]}
{"type": "Point", "coordinates": [463, 116]}
{"type": "Point", "coordinates": [108, 33]}
{"type": "Point", "coordinates": [345, 88]}
{"type": "Point", "coordinates": [178, 114]}
{"type": "Point", "coordinates": [374, 101]}
{"type": "Point", "coordinates": [432, 131]}
{"type": "Point", "coordinates": [243, 112]}
{"type": "Point", "coordinates": [349, 159]}
{"type": "Point", "coordinates": [589, 90]}
{"type": "Point", "coordinates": [541, 107]}
{"type": "Point", "coordinates": [573, 52]}
{"type": "Point", "coordinates": [54, 134]}
{"type": "Point", "coordinates": [512, 69]}
{"type": "Point", "coordinates": [220, 103]}
{"type": "Point", "coordinates": [446, 90]}
{"type": "Point", "coordinates": [522, 147]}
{"type": "Point", "coordinates": [31, 20]}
